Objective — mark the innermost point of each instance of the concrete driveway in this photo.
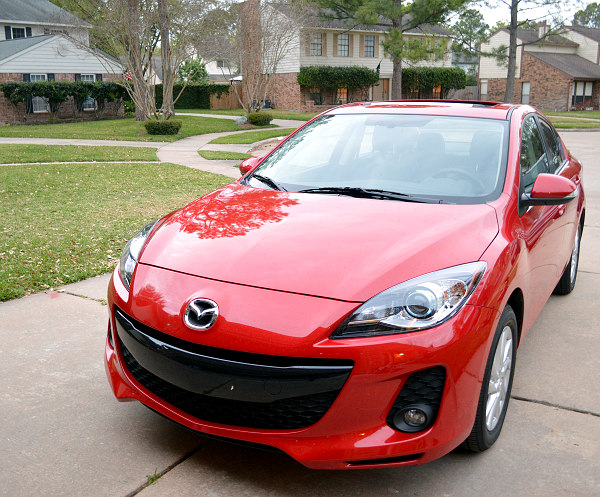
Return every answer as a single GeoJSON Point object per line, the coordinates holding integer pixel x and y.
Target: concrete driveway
{"type": "Point", "coordinates": [63, 433]}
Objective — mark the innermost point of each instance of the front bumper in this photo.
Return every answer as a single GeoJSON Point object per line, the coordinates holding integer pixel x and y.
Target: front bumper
{"type": "Point", "coordinates": [349, 385]}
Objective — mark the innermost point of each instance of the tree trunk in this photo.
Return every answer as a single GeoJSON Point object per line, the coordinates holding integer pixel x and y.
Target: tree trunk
{"type": "Point", "coordinates": [397, 80]}
{"type": "Point", "coordinates": [168, 107]}
{"type": "Point", "coordinates": [512, 53]}
{"type": "Point", "coordinates": [397, 62]}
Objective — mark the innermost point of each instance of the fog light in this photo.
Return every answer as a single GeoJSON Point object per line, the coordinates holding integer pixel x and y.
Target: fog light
{"type": "Point", "coordinates": [413, 418]}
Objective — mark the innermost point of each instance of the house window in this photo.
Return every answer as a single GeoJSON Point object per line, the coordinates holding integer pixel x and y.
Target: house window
{"type": "Point", "coordinates": [369, 45]}
{"type": "Point", "coordinates": [582, 93]}
{"type": "Point", "coordinates": [525, 89]}
{"type": "Point", "coordinates": [39, 104]}
{"type": "Point", "coordinates": [89, 103]}
{"type": "Point", "coordinates": [316, 43]}
{"type": "Point", "coordinates": [18, 33]}
{"type": "Point", "coordinates": [343, 45]}
{"type": "Point", "coordinates": [222, 64]}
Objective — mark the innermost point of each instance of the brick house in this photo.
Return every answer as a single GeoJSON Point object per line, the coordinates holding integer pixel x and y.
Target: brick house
{"type": "Point", "coordinates": [556, 73]}
{"type": "Point", "coordinates": [330, 43]}
{"type": "Point", "coordinates": [41, 42]}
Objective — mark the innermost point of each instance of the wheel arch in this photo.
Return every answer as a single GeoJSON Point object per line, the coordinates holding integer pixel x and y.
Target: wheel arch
{"type": "Point", "coordinates": [518, 306]}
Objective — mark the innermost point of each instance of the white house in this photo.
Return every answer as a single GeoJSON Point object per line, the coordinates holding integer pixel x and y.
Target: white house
{"type": "Point", "coordinates": [41, 42]}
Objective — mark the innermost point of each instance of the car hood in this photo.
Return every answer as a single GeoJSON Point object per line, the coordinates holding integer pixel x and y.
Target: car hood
{"type": "Point", "coordinates": [322, 245]}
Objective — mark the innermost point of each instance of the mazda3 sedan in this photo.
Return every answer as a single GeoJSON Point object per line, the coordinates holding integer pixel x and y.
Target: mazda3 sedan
{"type": "Point", "coordinates": [357, 298]}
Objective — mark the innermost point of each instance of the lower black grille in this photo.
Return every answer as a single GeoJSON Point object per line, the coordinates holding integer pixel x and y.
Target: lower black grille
{"type": "Point", "coordinates": [422, 388]}
{"type": "Point", "coordinates": [231, 392]}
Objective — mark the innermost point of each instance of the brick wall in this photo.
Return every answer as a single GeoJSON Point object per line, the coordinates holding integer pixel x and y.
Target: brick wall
{"type": "Point", "coordinates": [550, 89]}
{"type": "Point", "coordinates": [66, 112]}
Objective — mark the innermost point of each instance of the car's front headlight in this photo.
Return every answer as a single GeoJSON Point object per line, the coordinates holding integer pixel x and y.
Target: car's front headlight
{"type": "Point", "coordinates": [414, 305]}
{"type": "Point", "coordinates": [131, 253]}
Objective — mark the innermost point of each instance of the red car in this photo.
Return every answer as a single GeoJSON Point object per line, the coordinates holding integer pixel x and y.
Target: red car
{"type": "Point", "coordinates": [356, 299]}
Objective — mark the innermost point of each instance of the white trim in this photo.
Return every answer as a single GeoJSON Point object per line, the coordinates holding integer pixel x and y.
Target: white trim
{"type": "Point", "coordinates": [37, 23]}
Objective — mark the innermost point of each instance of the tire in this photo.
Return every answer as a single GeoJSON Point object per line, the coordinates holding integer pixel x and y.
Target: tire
{"type": "Point", "coordinates": [499, 373]}
{"type": "Point", "coordinates": [567, 281]}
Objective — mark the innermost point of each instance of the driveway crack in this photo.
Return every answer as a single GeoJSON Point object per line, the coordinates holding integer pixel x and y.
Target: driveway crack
{"type": "Point", "coordinates": [557, 406]}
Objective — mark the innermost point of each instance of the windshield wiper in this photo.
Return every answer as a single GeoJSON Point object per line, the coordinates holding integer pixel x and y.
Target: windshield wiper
{"type": "Point", "coordinates": [268, 181]}
{"type": "Point", "coordinates": [353, 191]}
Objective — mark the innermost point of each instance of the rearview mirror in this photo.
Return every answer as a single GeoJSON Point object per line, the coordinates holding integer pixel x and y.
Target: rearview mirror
{"type": "Point", "coordinates": [550, 189]}
{"type": "Point", "coordinates": [249, 164]}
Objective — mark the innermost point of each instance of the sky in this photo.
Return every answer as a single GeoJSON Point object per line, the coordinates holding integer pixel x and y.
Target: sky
{"type": "Point", "coordinates": [502, 12]}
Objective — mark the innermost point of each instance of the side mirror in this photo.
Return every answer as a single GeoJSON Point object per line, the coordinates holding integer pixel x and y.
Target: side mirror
{"type": "Point", "coordinates": [249, 164]}
{"type": "Point", "coordinates": [550, 189]}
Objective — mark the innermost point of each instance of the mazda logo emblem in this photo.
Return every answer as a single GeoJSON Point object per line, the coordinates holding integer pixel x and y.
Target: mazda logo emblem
{"type": "Point", "coordinates": [201, 314]}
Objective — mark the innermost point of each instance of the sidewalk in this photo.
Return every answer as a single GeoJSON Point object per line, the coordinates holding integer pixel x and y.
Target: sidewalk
{"type": "Point", "coordinates": [64, 434]}
{"type": "Point", "coordinates": [183, 152]}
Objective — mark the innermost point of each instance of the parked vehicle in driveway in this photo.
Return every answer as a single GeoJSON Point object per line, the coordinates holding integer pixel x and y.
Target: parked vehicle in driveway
{"type": "Point", "coordinates": [357, 298]}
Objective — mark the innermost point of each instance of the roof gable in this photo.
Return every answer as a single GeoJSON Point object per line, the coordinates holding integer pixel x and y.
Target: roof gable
{"type": "Point", "coordinates": [38, 12]}
{"type": "Point", "coordinates": [591, 33]}
{"type": "Point", "coordinates": [9, 48]}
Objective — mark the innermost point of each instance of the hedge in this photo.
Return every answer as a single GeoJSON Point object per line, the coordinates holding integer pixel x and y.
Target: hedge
{"type": "Point", "coordinates": [428, 78]}
{"type": "Point", "coordinates": [58, 92]}
{"type": "Point", "coordinates": [193, 96]}
{"type": "Point", "coordinates": [332, 78]}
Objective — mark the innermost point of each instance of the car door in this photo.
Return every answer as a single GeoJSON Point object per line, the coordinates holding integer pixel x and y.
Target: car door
{"type": "Point", "coordinates": [542, 228]}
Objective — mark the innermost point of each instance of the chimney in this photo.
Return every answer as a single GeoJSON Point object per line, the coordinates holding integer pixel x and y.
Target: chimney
{"type": "Point", "coordinates": [543, 28]}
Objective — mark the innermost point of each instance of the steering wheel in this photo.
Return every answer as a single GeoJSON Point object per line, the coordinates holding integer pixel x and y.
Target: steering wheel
{"type": "Point", "coordinates": [460, 174]}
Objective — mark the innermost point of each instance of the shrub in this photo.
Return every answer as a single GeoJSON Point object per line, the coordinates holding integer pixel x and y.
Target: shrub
{"type": "Point", "coordinates": [194, 96]}
{"type": "Point", "coordinates": [260, 118]}
{"type": "Point", "coordinates": [170, 127]}
{"type": "Point", "coordinates": [129, 107]}
{"type": "Point", "coordinates": [330, 77]}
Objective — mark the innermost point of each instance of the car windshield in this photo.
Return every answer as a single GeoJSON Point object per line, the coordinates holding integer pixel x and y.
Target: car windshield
{"type": "Point", "coordinates": [396, 156]}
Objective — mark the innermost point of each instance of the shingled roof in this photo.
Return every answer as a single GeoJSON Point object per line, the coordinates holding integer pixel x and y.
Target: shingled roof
{"type": "Point", "coordinates": [8, 48]}
{"type": "Point", "coordinates": [37, 12]}
{"type": "Point", "coordinates": [575, 66]}
{"type": "Point", "coordinates": [591, 33]}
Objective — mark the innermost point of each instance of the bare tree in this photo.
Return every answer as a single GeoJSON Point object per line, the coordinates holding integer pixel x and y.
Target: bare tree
{"type": "Point", "coordinates": [266, 34]}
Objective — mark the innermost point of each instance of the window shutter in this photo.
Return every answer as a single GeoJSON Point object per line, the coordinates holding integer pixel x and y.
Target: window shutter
{"type": "Point", "coordinates": [77, 77]}
{"type": "Point", "coordinates": [324, 38]}
{"type": "Point", "coordinates": [7, 32]}
{"type": "Point", "coordinates": [98, 77]}
{"type": "Point", "coordinates": [376, 46]}
{"type": "Point", "coordinates": [307, 36]}
{"type": "Point", "coordinates": [350, 45]}
{"type": "Point", "coordinates": [26, 77]}
{"type": "Point", "coordinates": [28, 32]}
{"type": "Point", "coordinates": [335, 45]}
{"type": "Point", "coordinates": [362, 46]}
{"type": "Point", "coordinates": [50, 76]}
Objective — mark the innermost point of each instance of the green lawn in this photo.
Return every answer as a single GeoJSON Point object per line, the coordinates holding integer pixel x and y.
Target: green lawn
{"type": "Point", "coordinates": [219, 155]}
{"type": "Point", "coordinates": [119, 129]}
{"type": "Point", "coordinates": [560, 123]}
{"type": "Point", "coordinates": [253, 136]}
{"type": "Point", "coordinates": [10, 154]}
{"type": "Point", "coordinates": [277, 114]}
{"type": "Point", "coordinates": [64, 223]}
{"type": "Point", "coordinates": [590, 114]}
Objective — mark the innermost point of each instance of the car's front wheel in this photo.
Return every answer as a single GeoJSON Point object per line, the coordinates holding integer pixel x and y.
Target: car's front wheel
{"type": "Point", "coordinates": [567, 281]}
{"type": "Point", "coordinates": [497, 385]}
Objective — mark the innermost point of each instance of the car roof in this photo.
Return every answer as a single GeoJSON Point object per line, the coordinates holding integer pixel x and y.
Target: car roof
{"type": "Point", "coordinates": [461, 108]}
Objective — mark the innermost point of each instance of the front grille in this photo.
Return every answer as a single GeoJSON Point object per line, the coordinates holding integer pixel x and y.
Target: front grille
{"type": "Point", "coordinates": [422, 388]}
{"type": "Point", "coordinates": [286, 412]}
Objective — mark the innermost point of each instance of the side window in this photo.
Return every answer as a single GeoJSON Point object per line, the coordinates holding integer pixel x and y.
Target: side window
{"type": "Point", "coordinates": [533, 155]}
{"type": "Point", "coordinates": [554, 147]}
